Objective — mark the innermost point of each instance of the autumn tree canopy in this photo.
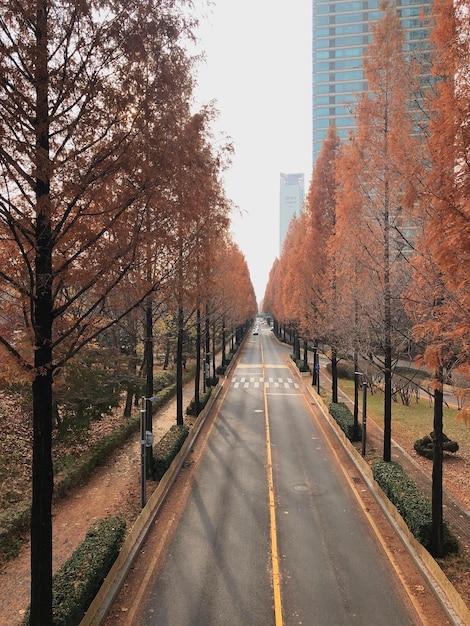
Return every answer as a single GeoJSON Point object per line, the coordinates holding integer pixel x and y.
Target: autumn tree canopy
{"type": "Point", "coordinates": [89, 94]}
{"type": "Point", "coordinates": [440, 300]}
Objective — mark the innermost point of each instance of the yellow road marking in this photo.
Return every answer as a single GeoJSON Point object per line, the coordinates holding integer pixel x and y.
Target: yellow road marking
{"type": "Point", "coordinates": [272, 518]}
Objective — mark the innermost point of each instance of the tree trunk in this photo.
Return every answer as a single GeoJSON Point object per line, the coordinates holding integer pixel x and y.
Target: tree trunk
{"type": "Point", "coordinates": [197, 378]}
{"type": "Point", "coordinates": [296, 345]}
{"type": "Point", "coordinates": [214, 347]}
{"type": "Point", "coordinates": [42, 469]}
{"type": "Point", "coordinates": [387, 445]}
{"type": "Point", "coordinates": [437, 531]}
{"type": "Point", "coordinates": [149, 382]}
{"type": "Point", "coordinates": [131, 386]}
{"type": "Point", "coordinates": [179, 368]}
{"type": "Point", "coordinates": [207, 361]}
{"type": "Point", "coordinates": [305, 344]}
{"type": "Point", "coordinates": [334, 376]}
{"type": "Point", "coordinates": [224, 358]}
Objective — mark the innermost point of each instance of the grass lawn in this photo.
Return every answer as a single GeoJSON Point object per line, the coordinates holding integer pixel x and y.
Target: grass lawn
{"type": "Point", "coordinates": [412, 422]}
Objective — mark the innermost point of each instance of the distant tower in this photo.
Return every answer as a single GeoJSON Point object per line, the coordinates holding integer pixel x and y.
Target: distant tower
{"type": "Point", "coordinates": [291, 202]}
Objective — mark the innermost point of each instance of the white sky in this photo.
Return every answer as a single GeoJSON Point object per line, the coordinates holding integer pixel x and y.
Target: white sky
{"type": "Point", "coordinates": [258, 70]}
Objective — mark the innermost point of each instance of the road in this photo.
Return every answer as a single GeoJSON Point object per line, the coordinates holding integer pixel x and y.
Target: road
{"type": "Point", "coordinates": [265, 527]}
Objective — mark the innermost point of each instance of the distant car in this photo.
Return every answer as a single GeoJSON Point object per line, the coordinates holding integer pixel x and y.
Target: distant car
{"type": "Point", "coordinates": [255, 332]}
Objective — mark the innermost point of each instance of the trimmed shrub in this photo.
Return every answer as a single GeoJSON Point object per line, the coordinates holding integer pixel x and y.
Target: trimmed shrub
{"type": "Point", "coordinates": [167, 448]}
{"type": "Point", "coordinates": [345, 420]}
{"type": "Point", "coordinates": [191, 408]}
{"type": "Point", "coordinates": [14, 522]}
{"type": "Point", "coordinates": [413, 506]}
{"type": "Point", "coordinates": [163, 379]}
{"type": "Point", "coordinates": [163, 396]}
{"type": "Point", "coordinates": [220, 370]}
{"type": "Point", "coordinates": [78, 581]}
{"type": "Point", "coordinates": [300, 364]}
{"type": "Point", "coordinates": [425, 446]}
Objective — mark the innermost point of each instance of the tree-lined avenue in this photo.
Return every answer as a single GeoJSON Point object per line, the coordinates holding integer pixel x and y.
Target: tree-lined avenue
{"type": "Point", "coordinates": [262, 527]}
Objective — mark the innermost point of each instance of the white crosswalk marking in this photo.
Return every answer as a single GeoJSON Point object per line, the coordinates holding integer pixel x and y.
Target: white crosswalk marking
{"type": "Point", "coordinates": [254, 382]}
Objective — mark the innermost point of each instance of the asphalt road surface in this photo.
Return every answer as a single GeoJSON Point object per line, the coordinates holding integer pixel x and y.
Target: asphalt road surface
{"type": "Point", "coordinates": [269, 530]}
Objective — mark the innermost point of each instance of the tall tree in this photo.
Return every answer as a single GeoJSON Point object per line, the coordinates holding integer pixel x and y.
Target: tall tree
{"type": "Point", "coordinates": [438, 301]}
{"type": "Point", "coordinates": [446, 195]}
{"type": "Point", "coordinates": [78, 84]}
{"type": "Point", "coordinates": [321, 206]}
{"type": "Point", "coordinates": [381, 146]}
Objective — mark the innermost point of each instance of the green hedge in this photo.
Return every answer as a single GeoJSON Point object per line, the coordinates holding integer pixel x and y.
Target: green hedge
{"type": "Point", "coordinates": [345, 420]}
{"type": "Point", "coordinates": [203, 400]}
{"type": "Point", "coordinates": [167, 448]}
{"type": "Point", "coordinates": [14, 522]}
{"type": "Point", "coordinates": [413, 506]}
{"type": "Point", "coordinates": [77, 582]}
{"type": "Point", "coordinates": [300, 364]}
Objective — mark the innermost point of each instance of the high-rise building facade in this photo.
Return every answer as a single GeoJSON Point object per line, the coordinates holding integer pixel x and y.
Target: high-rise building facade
{"type": "Point", "coordinates": [341, 34]}
{"type": "Point", "coordinates": [291, 202]}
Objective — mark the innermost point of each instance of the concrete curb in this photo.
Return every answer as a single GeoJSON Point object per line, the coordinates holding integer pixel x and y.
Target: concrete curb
{"type": "Point", "coordinates": [451, 601]}
{"type": "Point", "coordinates": [98, 610]}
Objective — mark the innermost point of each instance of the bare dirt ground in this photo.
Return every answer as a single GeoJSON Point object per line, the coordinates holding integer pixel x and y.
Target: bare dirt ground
{"type": "Point", "coordinates": [115, 488]}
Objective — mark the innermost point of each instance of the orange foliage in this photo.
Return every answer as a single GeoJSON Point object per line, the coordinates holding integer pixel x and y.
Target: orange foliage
{"type": "Point", "coordinates": [441, 298]}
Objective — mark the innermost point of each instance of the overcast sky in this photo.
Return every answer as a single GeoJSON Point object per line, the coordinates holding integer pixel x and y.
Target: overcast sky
{"type": "Point", "coordinates": [258, 70]}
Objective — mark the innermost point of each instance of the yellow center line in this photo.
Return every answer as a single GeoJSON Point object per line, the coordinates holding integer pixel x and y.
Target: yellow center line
{"type": "Point", "coordinates": [272, 513]}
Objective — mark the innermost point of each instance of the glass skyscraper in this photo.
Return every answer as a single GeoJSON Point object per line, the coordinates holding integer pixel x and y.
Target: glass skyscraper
{"type": "Point", "coordinates": [341, 33]}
